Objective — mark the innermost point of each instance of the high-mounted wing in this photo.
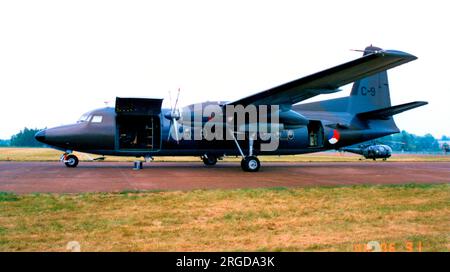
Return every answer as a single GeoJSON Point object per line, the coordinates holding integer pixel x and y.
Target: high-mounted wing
{"type": "Point", "coordinates": [328, 81]}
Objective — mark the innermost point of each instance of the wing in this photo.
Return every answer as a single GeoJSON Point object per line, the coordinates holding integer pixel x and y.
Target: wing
{"type": "Point", "coordinates": [328, 81]}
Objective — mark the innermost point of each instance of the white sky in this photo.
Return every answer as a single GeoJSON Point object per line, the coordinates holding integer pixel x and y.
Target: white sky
{"type": "Point", "coordinates": [59, 59]}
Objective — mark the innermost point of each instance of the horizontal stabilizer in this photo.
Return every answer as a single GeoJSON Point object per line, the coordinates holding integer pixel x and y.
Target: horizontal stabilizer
{"type": "Point", "coordinates": [385, 113]}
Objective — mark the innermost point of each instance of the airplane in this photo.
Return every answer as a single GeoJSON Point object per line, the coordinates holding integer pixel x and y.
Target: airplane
{"type": "Point", "coordinates": [372, 151]}
{"type": "Point", "coordinates": [140, 127]}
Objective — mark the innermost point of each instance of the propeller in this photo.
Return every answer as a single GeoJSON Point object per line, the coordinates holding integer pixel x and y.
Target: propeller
{"type": "Point", "coordinates": [173, 116]}
{"type": "Point", "coordinates": [374, 50]}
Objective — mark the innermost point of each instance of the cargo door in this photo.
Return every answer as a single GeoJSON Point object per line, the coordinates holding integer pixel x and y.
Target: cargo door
{"type": "Point", "coordinates": [138, 124]}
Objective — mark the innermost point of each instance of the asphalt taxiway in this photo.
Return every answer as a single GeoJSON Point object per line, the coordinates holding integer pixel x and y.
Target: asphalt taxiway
{"type": "Point", "coordinates": [54, 177]}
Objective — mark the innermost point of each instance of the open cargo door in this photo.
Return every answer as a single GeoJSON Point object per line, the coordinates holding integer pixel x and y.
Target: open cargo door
{"type": "Point", "coordinates": [138, 123]}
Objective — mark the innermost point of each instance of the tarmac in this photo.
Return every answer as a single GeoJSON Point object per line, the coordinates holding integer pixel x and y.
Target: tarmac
{"type": "Point", "coordinates": [54, 177]}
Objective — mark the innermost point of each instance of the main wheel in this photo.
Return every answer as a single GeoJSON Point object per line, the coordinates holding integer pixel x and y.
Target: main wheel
{"type": "Point", "coordinates": [71, 161]}
{"type": "Point", "coordinates": [209, 160]}
{"type": "Point", "coordinates": [250, 164]}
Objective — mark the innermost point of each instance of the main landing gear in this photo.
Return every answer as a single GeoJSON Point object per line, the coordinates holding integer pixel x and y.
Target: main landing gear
{"type": "Point", "coordinates": [70, 160]}
{"type": "Point", "coordinates": [249, 163]}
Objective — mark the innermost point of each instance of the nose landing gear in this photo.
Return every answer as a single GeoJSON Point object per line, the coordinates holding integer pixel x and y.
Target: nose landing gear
{"type": "Point", "coordinates": [70, 160]}
{"type": "Point", "coordinates": [209, 160]}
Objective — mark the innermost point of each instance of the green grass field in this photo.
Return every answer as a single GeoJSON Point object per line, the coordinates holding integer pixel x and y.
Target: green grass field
{"type": "Point", "coordinates": [47, 154]}
{"type": "Point", "coordinates": [400, 218]}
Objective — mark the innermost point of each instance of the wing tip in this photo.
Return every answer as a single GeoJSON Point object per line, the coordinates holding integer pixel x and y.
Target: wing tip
{"type": "Point", "coordinates": [396, 53]}
{"type": "Point", "coordinates": [400, 54]}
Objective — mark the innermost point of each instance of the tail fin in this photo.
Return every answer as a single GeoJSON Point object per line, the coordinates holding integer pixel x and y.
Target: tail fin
{"type": "Point", "coordinates": [370, 93]}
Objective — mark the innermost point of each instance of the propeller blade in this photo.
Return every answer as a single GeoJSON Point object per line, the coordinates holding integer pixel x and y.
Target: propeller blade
{"type": "Point", "coordinates": [170, 131]}
{"type": "Point", "coordinates": [173, 128]}
{"type": "Point", "coordinates": [175, 123]}
{"type": "Point", "coordinates": [170, 100]}
{"type": "Point", "coordinates": [176, 101]}
{"type": "Point", "coordinates": [173, 116]}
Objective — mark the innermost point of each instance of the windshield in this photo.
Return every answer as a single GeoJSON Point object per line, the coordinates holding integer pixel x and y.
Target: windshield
{"type": "Point", "coordinates": [84, 118]}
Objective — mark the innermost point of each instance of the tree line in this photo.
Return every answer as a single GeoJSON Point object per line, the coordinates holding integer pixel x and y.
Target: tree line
{"type": "Point", "coordinates": [25, 138]}
{"type": "Point", "coordinates": [407, 142]}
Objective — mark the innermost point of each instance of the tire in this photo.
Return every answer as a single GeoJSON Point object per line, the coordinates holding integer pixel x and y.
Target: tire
{"type": "Point", "coordinates": [71, 161]}
{"type": "Point", "coordinates": [209, 160]}
{"type": "Point", "coordinates": [250, 164]}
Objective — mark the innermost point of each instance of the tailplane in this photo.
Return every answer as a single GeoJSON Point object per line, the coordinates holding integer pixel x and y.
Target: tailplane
{"type": "Point", "coordinates": [386, 113]}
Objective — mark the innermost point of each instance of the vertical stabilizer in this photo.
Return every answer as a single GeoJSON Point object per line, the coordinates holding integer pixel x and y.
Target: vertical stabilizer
{"type": "Point", "coordinates": [370, 93]}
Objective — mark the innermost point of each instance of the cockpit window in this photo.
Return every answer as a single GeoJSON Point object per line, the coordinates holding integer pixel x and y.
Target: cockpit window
{"type": "Point", "coordinates": [84, 118]}
{"type": "Point", "coordinates": [97, 119]}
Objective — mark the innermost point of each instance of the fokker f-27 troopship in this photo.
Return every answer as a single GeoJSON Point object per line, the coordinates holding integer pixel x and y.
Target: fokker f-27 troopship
{"type": "Point", "coordinates": [140, 127]}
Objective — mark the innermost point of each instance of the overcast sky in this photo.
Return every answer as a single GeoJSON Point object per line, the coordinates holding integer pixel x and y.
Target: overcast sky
{"type": "Point", "coordinates": [59, 59]}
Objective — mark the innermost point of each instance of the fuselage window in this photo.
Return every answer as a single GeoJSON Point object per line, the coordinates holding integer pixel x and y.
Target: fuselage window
{"type": "Point", "coordinates": [97, 119]}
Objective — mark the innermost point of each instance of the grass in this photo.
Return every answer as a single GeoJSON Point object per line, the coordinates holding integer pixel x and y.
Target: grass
{"type": "Point", "coordinates": [345, 218]}
{"type": "Point", "coordinates": [47, 154]}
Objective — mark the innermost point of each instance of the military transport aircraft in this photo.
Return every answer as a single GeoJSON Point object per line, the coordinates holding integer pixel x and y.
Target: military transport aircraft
{"type": "Point", "coordinates": [140, 127]}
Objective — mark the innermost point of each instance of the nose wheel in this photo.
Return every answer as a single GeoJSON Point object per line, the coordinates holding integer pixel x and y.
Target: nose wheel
{"type": "Point", "coordinates": [70, 160]}
{"type": "Point", "coordinates": [209, 160]}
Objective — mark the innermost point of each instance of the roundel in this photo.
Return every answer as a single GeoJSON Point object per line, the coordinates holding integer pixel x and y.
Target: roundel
{"type": "Point", "coordinates": [334, 136]}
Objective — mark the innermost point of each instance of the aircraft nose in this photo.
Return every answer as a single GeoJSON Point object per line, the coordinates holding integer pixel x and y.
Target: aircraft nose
{"type": "Point", "coordinates": [40, 136]}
